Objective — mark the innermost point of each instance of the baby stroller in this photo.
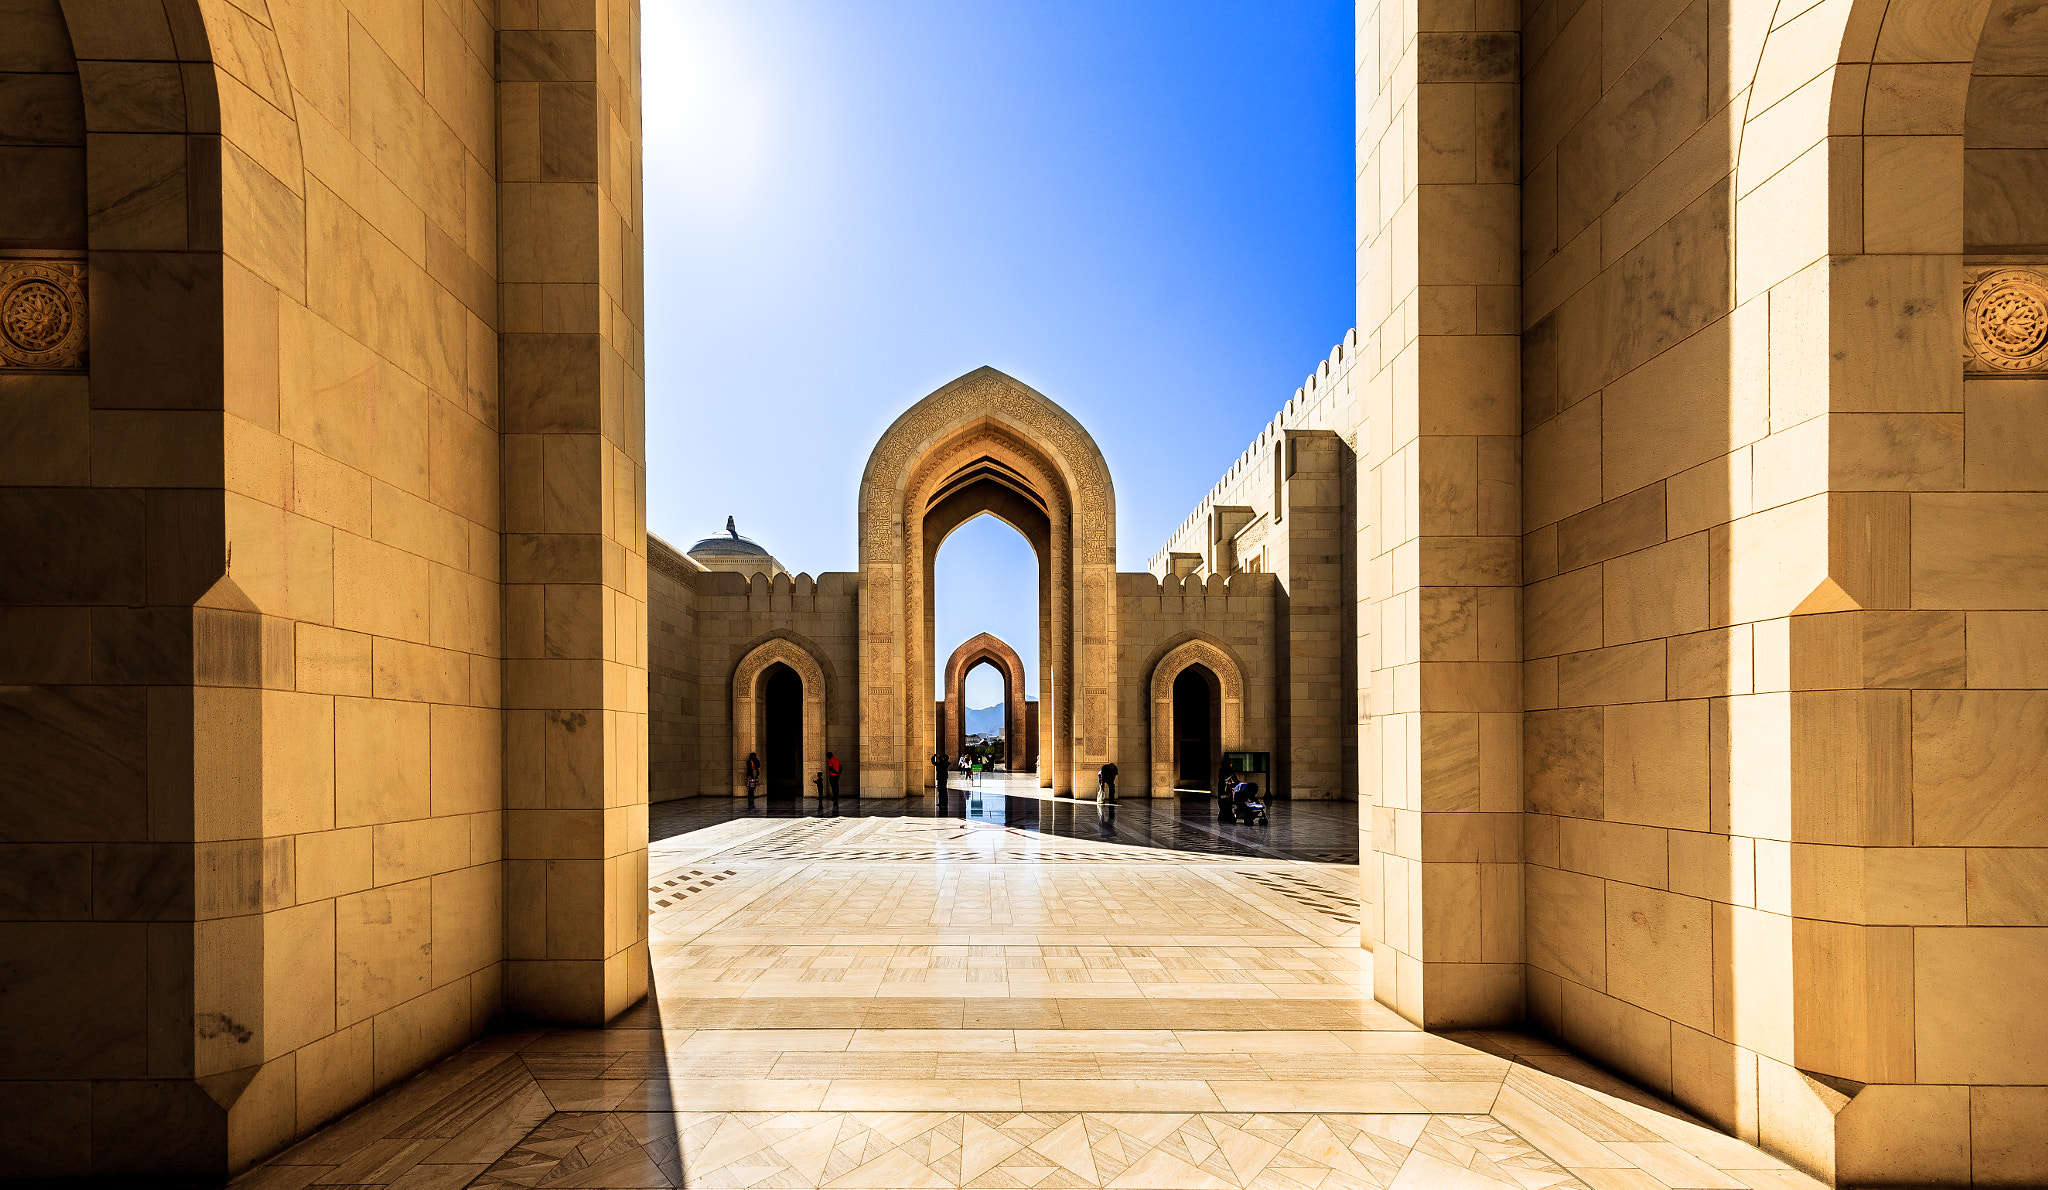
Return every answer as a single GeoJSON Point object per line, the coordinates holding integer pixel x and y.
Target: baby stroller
{"type": "Point", "coordinates": [1242, 804]}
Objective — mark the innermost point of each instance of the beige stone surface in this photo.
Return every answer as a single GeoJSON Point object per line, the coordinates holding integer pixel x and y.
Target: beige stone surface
{"type": "Point", "coordinates": [291, 218]}
{"type": "Point", "coordinates": [1658, 564]}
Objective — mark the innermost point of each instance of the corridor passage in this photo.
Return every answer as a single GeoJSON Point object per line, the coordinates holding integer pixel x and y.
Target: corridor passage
{"type": "Point", "coordinates": [910, 1000]}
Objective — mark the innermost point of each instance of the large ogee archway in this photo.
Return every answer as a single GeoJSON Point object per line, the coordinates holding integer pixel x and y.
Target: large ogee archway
{"type": "Point", "coordinates": [985, 443]}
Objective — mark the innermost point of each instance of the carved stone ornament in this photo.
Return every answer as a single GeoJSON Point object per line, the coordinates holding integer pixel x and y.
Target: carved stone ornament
{"type": "Point", "coordinates": [42, 314]}
{"type": "Point", "coordinates": [2005, 321]}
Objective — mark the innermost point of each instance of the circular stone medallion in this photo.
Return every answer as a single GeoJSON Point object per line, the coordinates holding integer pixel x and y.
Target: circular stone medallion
{"type": "Point", "coordinates": [40, 322]}
{"type": "Point", "coordinates": [2005, 320]}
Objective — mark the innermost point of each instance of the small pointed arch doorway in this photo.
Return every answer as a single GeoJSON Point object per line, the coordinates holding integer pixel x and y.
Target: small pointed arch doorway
{"type": "Point", "coordinates": [778, 715]}
{"type": "Point", "coordinates": [990, 650]}
{"type": "Point", "coordinates": [1197, 715]}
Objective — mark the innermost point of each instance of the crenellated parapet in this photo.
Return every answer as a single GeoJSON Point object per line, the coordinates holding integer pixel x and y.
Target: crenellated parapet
{"type": "Point", "coordinates": [1324, 402]}
{"type": "Point", "coordinates": [1143, 585]}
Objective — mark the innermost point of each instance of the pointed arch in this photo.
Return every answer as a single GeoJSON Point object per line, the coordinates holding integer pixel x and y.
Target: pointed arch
{"type": "Point", "coordinates": [746, 703]}
{"type": "Point", "coordinates": [983, 439]}
{"type": "Point", "coordinates": [972, 652]}
{"type": "Point", "coordinates": [1229, 679]}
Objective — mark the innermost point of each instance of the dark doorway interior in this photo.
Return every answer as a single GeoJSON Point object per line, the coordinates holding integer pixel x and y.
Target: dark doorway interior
{"type": "Point", "coordinates": [782, 729]}
{"type": "Point", "coordinates": [1194, 707]}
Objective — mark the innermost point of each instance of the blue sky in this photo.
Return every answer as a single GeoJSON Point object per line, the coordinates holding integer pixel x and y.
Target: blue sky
{"type": "Point", "coordinates": [1142, 209]}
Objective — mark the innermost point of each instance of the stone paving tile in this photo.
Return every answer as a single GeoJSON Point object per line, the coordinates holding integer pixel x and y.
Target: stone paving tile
{"type": "Point", "coordinates": [995, 1018]}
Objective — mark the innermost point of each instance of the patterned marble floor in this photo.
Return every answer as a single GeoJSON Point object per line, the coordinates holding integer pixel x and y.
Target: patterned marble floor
{"type": "Point", "coordinates": [886, 1002]}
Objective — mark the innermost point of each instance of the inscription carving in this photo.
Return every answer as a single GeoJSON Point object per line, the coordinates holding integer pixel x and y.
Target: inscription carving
{"type": "Point", "coordinates": [42, 314]}
{"type": "Point", "coordinates": [2005, 321]}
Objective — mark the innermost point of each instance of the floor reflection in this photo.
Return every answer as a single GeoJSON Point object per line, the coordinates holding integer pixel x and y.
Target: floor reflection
{"type": "Point", "coordinates": [1311, 831]}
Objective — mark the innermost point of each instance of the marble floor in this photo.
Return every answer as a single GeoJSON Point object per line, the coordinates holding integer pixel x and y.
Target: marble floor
{"type": "Point", "coordinates": [1319, 831]}
{"type": "Point", "coordinates": [906, 999]}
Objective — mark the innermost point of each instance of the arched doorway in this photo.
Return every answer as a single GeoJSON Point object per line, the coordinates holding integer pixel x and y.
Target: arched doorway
{"type": "Point", "coordinates": [781, 730]}
{"type": "Point", "coordinates": [1195, 681]}
{"type": "Point", "coordinates": [1197, 734]}
{"type": "Point", "coordinates": [998, 748]}
{"type": "Point", "coordinates": [986, 649]}
{"type": "Point", "coordinates": [779, 703]}
{"type": "Point", "coordinates": [986, 443]}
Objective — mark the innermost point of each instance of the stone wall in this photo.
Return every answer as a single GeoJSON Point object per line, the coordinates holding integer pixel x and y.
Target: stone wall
{"type": "Point", "coordinates": [1326, 400]}
{"type": "Point", "coordinates": [1236, 614]}
{"type": "Point", "coordinates": [1288, 508]}
{"type": "Point", "coordinates": [111, 450]}
{"type": "Point", "coordinates": [1778, 617]}
{"type": "Point", "coordinates": [708, 622]}
{"type": "Point", "coordinates": [1438, 481]}
{"type": "Point", "coordinates": [1634, 431]}
{"type": "Point", "coordinates": [675, 751]}
{"type": "Point", "coordinates": [280, 586]}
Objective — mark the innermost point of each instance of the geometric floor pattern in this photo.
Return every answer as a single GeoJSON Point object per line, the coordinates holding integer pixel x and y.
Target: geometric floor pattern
{"type": "Point", "coordinates": [1163, 1150]}
{"type": "Point", "coordinates": [915, 1000]}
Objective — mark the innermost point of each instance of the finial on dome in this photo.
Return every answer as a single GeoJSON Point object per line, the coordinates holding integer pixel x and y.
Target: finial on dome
{"type": "Point", "coordinates": [731, 528]}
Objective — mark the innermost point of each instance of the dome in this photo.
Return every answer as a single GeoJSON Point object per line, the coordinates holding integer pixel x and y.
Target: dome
{"type": "Point", "coordinates": [730, 551]}
{"type": "Point", "coordinates": [727, 546]}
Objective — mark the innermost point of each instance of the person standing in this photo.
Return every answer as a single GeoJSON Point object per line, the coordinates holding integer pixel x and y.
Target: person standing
{"type": "Point", "coordinates": [1223, 777]}
{"type": "Point", "coordinates": [940, 764]}
{"type": "Point", "coordinates": [753, 774]}
{"type": "Point", "coordinates": [1105, 783]}
{"type": "Point", "coordinates": [832, 774]}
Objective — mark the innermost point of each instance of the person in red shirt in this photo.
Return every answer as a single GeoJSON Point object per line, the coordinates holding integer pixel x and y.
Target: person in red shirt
{"type": "Point", "coordinates": [832, 774]}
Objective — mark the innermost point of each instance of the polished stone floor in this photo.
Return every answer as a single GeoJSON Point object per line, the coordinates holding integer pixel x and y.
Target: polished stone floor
{"type": "Point", "coordinates": [1318, 831]}
{"type": "Point", "coordinates": [896, 998]}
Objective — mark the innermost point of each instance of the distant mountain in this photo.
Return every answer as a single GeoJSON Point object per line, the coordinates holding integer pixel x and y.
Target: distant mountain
{"type": "Point", "coordinates": [985, 720]}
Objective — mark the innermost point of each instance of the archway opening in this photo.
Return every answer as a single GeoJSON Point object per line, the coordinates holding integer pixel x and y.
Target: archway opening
{"type": "Point", "coordinates": [987, 581]}
{"type": "Point", "coordinates": [782, 730]}
{"type": "Point", "coordinates": [985, 711]}
{"type": "Point", "coordinates": [1197, 728]}
{"type": "Point", "coordinates": [987, 444]}
{"type": "Point", "coordinates": [2005, 146]}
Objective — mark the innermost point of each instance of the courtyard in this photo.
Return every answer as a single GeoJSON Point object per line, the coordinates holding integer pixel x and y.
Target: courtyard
{"type": "Point", "coordinates": [893, 998]}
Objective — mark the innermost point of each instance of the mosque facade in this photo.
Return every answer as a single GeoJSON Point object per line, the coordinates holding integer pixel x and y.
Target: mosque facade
{"type": "Point", "coordinates": [1659, 565]}
{"type": "Point", "coordinates": [1262, 641]}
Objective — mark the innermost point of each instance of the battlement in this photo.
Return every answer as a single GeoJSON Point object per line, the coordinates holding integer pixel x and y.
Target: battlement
{"type": "Point", "coordinates": [1308, 409]}
{"type": "Point", "coordinates": [1142, 585]}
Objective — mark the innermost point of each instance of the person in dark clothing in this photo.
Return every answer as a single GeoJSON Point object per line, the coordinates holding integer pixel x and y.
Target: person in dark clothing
{"type": "Point", "coordinates": [1105, 783]}
{"type": "Point", "coordinates": [940, 763]}
{"type": "Point", "coordinates": [832, 774]}
{"type": "Point", "coordinates": [753, 773]}
{"type": "Point", "coordinates": [1225, 777]}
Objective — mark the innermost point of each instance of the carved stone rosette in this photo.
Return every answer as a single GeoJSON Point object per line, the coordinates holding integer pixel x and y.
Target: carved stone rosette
{"type": "Point", "coordinates": [42, 314]}
{"type": "Point", "coordinates": [2005, 321]}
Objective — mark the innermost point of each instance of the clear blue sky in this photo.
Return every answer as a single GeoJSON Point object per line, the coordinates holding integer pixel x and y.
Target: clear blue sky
{"type": "Point", "coordinates": [1143, 209]}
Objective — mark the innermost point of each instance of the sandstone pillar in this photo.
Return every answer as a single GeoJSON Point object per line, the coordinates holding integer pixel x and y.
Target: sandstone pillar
{"type": "Point", "coordinates": [1311, 518]}
{"type": "Point", "coordinates": [1438, 218]}
{"type": "Point", "coordinates": [574, 502]}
